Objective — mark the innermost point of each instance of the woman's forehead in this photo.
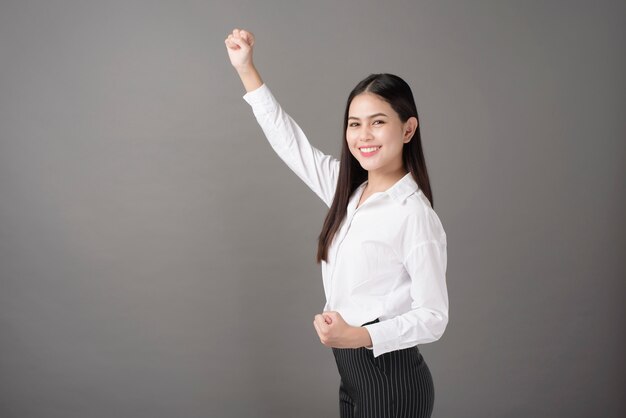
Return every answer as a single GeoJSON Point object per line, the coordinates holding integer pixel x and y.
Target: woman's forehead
{"type": "Point", "coordinates": [366, 104]}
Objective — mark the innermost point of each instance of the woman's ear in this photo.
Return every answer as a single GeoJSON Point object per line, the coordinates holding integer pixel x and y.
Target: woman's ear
{"type": "Point", "coordinates": [410, 126]}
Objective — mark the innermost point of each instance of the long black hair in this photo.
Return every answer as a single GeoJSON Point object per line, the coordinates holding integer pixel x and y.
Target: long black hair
{"type": "Point", "coordinates": [397, 93]}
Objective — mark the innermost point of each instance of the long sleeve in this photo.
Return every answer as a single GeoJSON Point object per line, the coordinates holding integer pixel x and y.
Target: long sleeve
{"type": "Point", "coordinates": [426, 321]}
{"type": "Point", "coordinates": [319, 171]}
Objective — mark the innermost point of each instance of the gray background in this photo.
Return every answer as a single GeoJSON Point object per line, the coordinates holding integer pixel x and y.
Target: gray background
{"type": "Point", "coordinates": [157, 258]}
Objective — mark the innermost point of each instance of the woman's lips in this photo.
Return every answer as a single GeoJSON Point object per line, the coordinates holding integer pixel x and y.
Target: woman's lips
{"type": "Point", "coordinates": [368, 154]}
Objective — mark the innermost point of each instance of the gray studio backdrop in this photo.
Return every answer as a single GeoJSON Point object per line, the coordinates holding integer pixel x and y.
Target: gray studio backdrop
{"type": "Point", "coordinates": [157, 257]}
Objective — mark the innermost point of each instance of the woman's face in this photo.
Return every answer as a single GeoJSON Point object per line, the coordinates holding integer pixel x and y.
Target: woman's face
{"type": "Point", "coordinates": [375, 134]}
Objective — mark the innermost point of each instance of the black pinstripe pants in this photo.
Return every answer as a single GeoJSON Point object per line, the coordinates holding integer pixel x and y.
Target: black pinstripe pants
{"type": "Point", "coordinates": [396, 384]}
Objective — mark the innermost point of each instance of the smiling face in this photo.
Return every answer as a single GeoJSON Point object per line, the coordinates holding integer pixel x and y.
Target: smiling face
{"type": "Point", "coordinates": [375, 134]}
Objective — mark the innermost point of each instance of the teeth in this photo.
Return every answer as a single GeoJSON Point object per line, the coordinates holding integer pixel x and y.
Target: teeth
{"type": "Point", "coordinates": [369, 149]}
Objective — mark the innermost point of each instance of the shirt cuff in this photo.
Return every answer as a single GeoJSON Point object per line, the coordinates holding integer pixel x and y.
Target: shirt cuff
{"type": "Point", "coordinates": [261, 99]}
{"type": "Point", "coordinates": [384, 337]}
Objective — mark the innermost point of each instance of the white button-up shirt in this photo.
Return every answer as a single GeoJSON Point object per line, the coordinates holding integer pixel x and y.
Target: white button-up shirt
{"type": "Point", "coordinates": [388, 259]}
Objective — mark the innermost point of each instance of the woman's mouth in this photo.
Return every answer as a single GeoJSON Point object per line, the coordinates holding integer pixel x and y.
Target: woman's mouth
{"type": "Point", "coordinates": [369, 151]}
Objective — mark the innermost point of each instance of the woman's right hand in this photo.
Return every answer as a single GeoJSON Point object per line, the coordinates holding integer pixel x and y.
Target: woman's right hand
{"type": "Point", "coordinates": [239, 46]}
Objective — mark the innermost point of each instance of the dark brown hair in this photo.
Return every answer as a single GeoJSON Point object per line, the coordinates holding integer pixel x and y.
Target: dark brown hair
{"type": "Point", "coordinates": [397, 93]}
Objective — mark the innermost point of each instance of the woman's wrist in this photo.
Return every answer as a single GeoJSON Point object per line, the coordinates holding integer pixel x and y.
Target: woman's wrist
{"type": "Point", "coordinates": [362, 337]}
{"type": "Point", "coordinates": [245, 68]}
{"type": "Point", "coordinates": [249, 77]}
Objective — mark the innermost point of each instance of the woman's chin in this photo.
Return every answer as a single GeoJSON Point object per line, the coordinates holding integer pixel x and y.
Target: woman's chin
{"type": "Point", "coordinates": [369, 166]}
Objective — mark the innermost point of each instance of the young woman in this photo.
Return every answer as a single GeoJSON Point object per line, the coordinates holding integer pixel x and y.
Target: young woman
{"type": "Point", "coordinates": [382, 247]}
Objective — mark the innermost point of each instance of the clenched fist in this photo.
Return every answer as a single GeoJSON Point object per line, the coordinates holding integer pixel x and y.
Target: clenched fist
{"type": "Point", "coordinates": [334, 331]}
{"type": "Point", "coordinates": [239, 46]}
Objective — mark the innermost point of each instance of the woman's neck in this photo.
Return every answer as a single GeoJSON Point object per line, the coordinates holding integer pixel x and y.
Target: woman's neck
{"type": "Point", "coordinates": [379, 182]}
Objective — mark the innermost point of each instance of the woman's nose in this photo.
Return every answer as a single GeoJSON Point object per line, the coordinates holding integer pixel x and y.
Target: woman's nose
{"type": "Point", "coordinates": [365, 133]}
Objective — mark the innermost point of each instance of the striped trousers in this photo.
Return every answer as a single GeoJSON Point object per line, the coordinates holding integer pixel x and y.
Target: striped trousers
{"type": "Point", "coordinates": [395, 384]}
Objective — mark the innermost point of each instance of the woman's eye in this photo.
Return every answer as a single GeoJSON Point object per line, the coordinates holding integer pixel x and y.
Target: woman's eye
{"type": "Point", "coordinates": [379, 121]}
{"type": "Point", "coordinates": [353, 124]}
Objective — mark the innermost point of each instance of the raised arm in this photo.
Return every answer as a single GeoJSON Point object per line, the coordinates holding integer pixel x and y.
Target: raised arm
{"type": "Point", "coordinates": [319, 171]}
{"type": "Point", "coordinates": [239, 46]}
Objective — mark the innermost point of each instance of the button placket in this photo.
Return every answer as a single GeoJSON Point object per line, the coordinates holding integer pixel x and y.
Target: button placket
{"type": "Point", "coordinates": [346, 229]}
{"type": "Point", "coordinates": [351, 213]}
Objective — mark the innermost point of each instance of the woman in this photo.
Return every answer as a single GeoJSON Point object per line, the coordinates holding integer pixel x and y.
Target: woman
{"type": "Point", "coordinates": [382, 247]}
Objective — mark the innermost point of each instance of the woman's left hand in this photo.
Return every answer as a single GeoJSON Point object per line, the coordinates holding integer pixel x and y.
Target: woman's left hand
{"type": "Point", "coordinates": [334, 331]}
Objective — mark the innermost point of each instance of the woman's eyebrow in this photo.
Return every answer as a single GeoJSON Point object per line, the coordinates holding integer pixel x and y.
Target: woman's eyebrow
{"type": "Point", "coordinates": [371, 116]}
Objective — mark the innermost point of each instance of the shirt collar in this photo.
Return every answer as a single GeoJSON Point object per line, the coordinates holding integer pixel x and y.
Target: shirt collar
{"type": "Point", "coordinates": [401, 189]}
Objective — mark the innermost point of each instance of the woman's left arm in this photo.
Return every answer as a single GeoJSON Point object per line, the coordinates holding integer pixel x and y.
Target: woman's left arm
{"type": "Point", "coordinates": [426, 322]}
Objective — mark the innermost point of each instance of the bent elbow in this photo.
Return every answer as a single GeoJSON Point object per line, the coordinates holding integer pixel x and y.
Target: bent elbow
{"type": "Point", "coordinates": [440, 325]}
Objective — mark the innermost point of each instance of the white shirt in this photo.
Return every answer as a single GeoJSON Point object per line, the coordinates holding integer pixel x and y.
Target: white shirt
{"type": "Point", "coordinates": [388, 259]}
